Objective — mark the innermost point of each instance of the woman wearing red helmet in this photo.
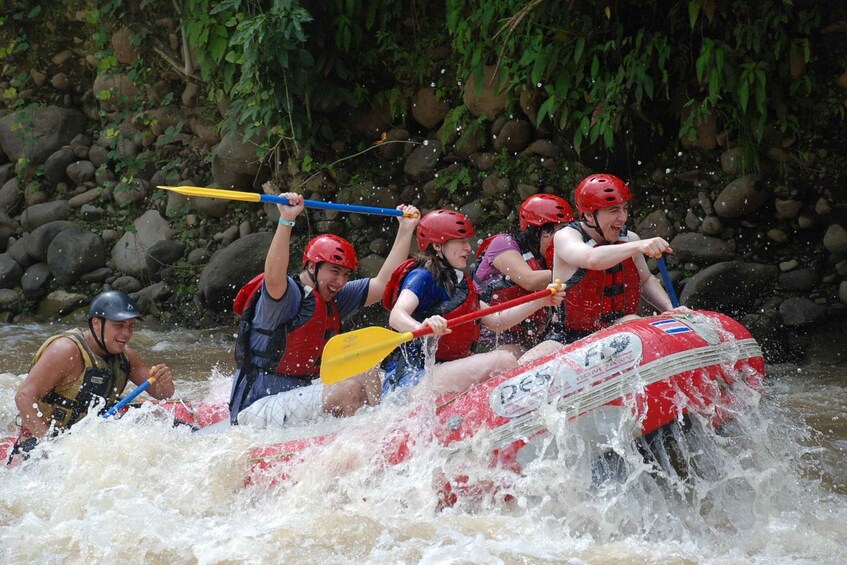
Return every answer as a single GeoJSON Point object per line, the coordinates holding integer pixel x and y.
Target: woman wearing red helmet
{"type": "Point", "coordinates": [286, 321]}
{"type": "Point", "coordinates": [514, 264]}
{"type": "Point", "coordinates": [433, 289]}
{"type": "Point", "coordinates": [602, 262]}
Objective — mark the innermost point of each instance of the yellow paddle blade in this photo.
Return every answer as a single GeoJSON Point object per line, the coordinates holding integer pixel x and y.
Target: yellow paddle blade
{"type": "Point", "coordinates": [215, 193]}
{"type": "Point", "coordinates": [351, 353]}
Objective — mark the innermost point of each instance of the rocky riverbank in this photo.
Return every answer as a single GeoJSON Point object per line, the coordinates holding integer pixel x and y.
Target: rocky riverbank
{"type": "Point", "coordinates": [80, 211]}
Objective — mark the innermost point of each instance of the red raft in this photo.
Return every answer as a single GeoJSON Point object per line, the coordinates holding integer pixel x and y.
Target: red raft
{"type": "Point", "coordinates": [653, 370]}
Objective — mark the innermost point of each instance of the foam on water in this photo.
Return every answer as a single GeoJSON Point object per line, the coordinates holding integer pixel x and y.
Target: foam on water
{"type": "Point", "coordinates": [140, 490]}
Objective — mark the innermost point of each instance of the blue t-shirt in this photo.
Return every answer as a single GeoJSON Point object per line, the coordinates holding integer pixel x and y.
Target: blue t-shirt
{"type": "Point", "coordinates": [273, 315]}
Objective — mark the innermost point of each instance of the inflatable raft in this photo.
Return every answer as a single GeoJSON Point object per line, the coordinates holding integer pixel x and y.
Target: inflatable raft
{"type": "Point", "coordinates": [652, 371]}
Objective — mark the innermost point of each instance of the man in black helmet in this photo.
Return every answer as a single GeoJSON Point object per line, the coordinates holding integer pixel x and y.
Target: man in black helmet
{"type": "Point", "coordinates": [76, 367]}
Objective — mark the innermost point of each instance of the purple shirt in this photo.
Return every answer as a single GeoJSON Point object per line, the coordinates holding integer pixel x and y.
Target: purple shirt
{"type": "Point", "coordinates": [500, 244]}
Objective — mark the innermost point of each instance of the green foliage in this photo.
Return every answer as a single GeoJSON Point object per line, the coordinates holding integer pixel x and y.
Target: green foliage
{"type": "Point", "coordinates": [602, 67]}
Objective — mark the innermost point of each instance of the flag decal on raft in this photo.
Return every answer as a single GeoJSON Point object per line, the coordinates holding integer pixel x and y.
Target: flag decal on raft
{"type": "Point", "coordinates": [670, 326]}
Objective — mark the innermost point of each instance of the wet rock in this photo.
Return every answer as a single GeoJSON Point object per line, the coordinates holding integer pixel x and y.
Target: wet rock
{"type": "Point", "coordinates": [827, 348]}
{"type": "Point", "coordinates": [835, 240]}
{"type": "Point", "coordinates": [799, 311]}
{"type": "Point", "coordinates": [800, 280]}
{"type": "Point", "coordinates": [701, 249]}
{"type": "Point", "coordinates": [231, 268]}
{"type": "Point", "coordinates": [34, 280]}
{"type": "Point", "coordinates": [514, 136]}
{"type": "Point", "coordinates": [55, 167]}
{"type": "Point", "coordinates": [740, 197]}
{"type": "Point", "coordinates": [38, 241]}
{"type": "Point", "coordinates": [427, 109]}
{"type": "Point", "coordinates": [10, 300]}
{"type": "Point", "coordinates": [787, 209]}
{"type": "Point", "coordinates": [731, 286]}
{"type": "Point", "coordinates": [59, 304]}
{"type": "Point", "coordinates": [10, 271]}
{"type": "Point", "coordinates": [74, 252]}
{"type": "Point", "coordinates": [11, 196]}
{"type": "Point", "coordinates": [127, 284]}
{"type": "Point", "coordinates": [163, 253]}
{"type": "Point", "coordinates": [487, 97]}
{"type": "Point", "coordinates": [41, 214]}
{"type": "Point", "coordinates": [421, 162]}
{"type": "Point", "coordinates": [129, 254]}
{"type": "Point", "coordinates": [80, 172]}
{"type": "Point", "coordinates": [37, 133]}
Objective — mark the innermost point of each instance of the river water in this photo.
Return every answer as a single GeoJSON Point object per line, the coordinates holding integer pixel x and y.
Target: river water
{"type": "Point", "coordinates": [771, 489]}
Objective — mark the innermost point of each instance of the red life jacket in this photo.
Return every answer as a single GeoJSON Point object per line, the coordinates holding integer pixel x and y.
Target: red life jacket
{"type": "Point", "coordinates": [296, 348]}
{"type": "Point", "coordinates": [595, 299]}
{"type": "Point", "coordinates": [459, 343]}
{"type": "Point", "coordinates": [501, 289]}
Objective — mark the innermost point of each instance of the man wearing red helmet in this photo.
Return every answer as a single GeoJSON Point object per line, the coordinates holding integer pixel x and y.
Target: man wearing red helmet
{"type": "Point", "coordinates": [602, 263]}
{"type": "Point", "coordinates": [514, 264]}
{"type": "Point", "coordinates": [430, 291]}
{"type": "Point", "coordinates": [287, 322]}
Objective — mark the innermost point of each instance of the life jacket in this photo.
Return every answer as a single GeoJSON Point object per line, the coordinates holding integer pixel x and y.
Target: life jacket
{"type": "Point", "coordinates": [295, 349]}
{"type": "Point", "coordinates": [502, 288]}
{"type": "Point", "coordinates": [595, 299]}
{"type": "Point", "coordinates": [458, 343]}
{"type": "Point", "coordinates": [66, 404]}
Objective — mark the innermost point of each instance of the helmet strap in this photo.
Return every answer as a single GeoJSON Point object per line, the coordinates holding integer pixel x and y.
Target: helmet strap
{"type": "Point", "coordinates": [101, 339]}
{"type": "Point", "coordinates": [596, 226]}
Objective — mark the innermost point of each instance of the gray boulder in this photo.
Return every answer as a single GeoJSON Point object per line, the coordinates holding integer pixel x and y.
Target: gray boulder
{"type": "Point", "coordinates": [56, 165]}
{"type": "Point", "coordinates": [732, 287]}
{"type": "Point", "coordinates": [232, 267]}
{"type": "Point", "coordinates": [130, 252]}
{"type": "Point", "coordinates": [35, 279]}
{"type": "Point", "coordinates": [74, 252]}
{"type": "Point", "coordinates": [701, 248]}
{"type": "Point", "coordinates": [40, 214]}
{"type": "Point", "coordinates": [740, 197]}
{"type": "Point", "coordinates": [38, 241]}
{"type": "Point", "coordinates": [10, 271]}
{"type": "Point", "coordinates": [38, 133]}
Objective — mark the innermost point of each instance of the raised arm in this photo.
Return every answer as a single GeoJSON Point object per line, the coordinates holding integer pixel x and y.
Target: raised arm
{"type": "Point", "coordinates": [399, 252]}
{"type": "Point", "coordinates": [278, 257]}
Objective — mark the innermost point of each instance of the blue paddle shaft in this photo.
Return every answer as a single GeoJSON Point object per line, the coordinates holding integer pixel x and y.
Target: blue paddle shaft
{"type": "Point", "coordinates": [273, 199]}
{"type": "Point", "coordinates": [129, 398]}
{"type": "Point", "coordinates": [666, 278]}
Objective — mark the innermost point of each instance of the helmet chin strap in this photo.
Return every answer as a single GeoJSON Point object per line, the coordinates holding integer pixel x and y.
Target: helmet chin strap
{"type": "Point", "coordinates": [596, 227]}
{"type": "Point", "coordinates": [101, 339]}
{"type": "Point", "coordinates": [314, 276]}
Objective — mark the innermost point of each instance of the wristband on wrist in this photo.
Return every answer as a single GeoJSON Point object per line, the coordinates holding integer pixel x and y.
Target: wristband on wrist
{"type": "Point", "coordinates": [284, 222]}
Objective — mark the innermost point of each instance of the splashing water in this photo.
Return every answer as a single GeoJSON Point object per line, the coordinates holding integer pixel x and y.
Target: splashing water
{"type": "Point", "coordinates": [140, 490]}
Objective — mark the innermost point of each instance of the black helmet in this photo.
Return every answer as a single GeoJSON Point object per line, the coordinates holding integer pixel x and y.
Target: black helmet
{"type": "Point", "coordinates": [113, 305]}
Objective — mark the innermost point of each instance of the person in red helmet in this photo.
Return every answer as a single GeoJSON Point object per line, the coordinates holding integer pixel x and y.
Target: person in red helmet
{"type": "Point", "coordinates": [514, 264]}
{"type": "Point", "coordinates": [286, 321]}
{"type": "Point", "coordinates": [434, 288]}
{"type": "Point", "coordinates": [602, 263]}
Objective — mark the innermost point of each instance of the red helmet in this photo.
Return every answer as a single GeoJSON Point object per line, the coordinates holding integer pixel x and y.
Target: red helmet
{"type": "Point", "coordinates": [540, 209]}
{"type": "Point", "coordinates": [332, 249]}
{"type": "Point", "coordinates": [600, 191]}
{"type": "Point", "coordinates": [440, 226]}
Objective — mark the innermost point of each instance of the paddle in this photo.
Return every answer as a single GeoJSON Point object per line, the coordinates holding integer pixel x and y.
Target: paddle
{"type": "Point", "coordinates": [129, 398]}
{"type": "Point", "coordinates": [666, 278]}
{"type": "Point", "coordinates": [351, 353]}
{"type": "Point", "coordinates": [268, 198]}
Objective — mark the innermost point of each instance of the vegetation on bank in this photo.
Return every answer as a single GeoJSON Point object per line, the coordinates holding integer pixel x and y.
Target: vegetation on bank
{"type": "Point", "coordinates": [618, 86]}
{"type": "Point", "coordinates": [600, 71]}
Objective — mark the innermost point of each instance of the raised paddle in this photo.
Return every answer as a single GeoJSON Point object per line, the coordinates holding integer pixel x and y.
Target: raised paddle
{"type": "Point", "coordinates": [666, 278]}
{"type": "Point", "coordinates": [268, 198]}
{"type": "Point", "coordinates": [351, 353]}
{"type": "Point", "coordinates": [129, 398]}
